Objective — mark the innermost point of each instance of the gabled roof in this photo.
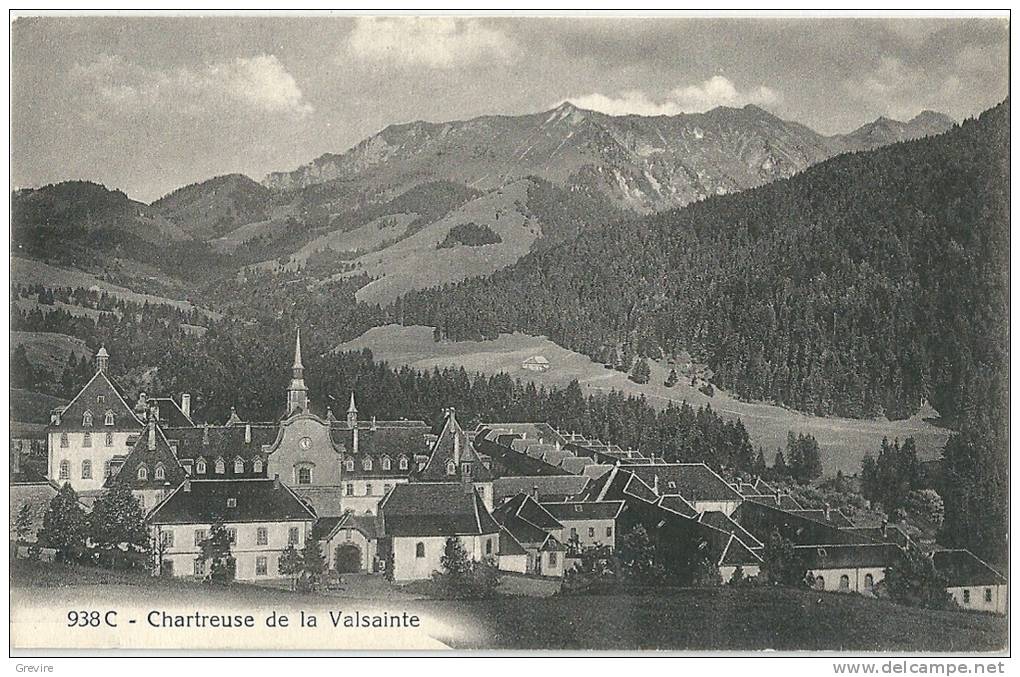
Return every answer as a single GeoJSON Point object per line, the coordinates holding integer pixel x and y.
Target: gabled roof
{"type": "Point", "coordinates": [849, 556]}
{"type": "Point", "coordinates": [722, 522]}
{"type": "Point", "coordinates": [760, 520]}
{"type": "Point", "coordinates": [327, 527]}
{"type": "Point", "coordinates": [453, 445]}
{"type": "Point", "coordinates": [963, 569]}
{"type": "Point", "coordinates": [170, 413]}
{"type": "Point", "coordinates": [87, 399]}
{"type": "Point", "coordinates": [435, 509]}
{"type": "Point", "coordinates": [574, 510]}
{"type": "Point", "coordinates": [538, 432]}
{"type": "Point", "coordinates": [226, 442]}
{"type": "Point", "coordinates": [677, 504]}
{"type": "Point", "coordinates": [508, 545]}
{"type": "Point", "coordinates": [527, 508]}
{"type": "Point", "coordinates": [737, 553]}
{"type": "Point", "coordinates": [141, 455]}
{"type": "Point", "coordinates": [550, 487]}
{"type": "Point", "coordinates": [694, 481]}
{"type": "Point", "coordinates": [253, 500]}
{"type": "Point", "coordinates": [834, 517]}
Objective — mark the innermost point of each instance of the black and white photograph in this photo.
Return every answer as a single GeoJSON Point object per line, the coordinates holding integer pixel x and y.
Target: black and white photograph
{"type": "Point", "coordinates": [642, 333]}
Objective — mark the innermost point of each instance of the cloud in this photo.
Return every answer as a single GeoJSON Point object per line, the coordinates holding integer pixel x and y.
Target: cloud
{"type": "Point", "coordinates": [697, 98]}
{"type": "Point", "coordinates": [257, 84]}
{"type": "Point", "coordinates": [433, 42]}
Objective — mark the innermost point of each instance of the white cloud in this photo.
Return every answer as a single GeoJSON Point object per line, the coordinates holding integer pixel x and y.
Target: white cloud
{"type": "Point", "coordinates": [255, 84]}
{"type": "Point", "coordinates": [716, 91]}
{"type": "Point", "coordinates": [433, 42]}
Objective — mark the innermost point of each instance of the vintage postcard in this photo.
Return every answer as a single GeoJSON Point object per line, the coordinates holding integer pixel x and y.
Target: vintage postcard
{"type": "Point", "coordinates": [585, 332]}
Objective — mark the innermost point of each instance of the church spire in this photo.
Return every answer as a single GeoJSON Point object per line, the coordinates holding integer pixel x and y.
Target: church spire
{"type": "Point", "coordinates": [352, 412]}
{"type": "Point", "coordinates": [297, 393]}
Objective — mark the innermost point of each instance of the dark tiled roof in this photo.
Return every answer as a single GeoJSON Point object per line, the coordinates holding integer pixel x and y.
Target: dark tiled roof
{"type": "Point", "coordinates": [834, 517]}
{"type": "Point", "coordinates": [737, 553]}
{"type": "Point", "coordinates": [783, 501]}
{"type": "Point", "coordinates": [435, 509]}
{"type": "Point", "coordinates": [160, 456]}
{"type": "Point", "coordinates": [599, 510]}
{"type": "Point", "coordinates": [638, 489]}
{"type": "Point", "coordinates": [760, 520]}
{"type": "Point", "coordinates": [387, 439]}
{"type": "Point", "coordinates": [848, 556]}
{"type": "Point", "coordinates": [508, 545]}
{"type": "Point", "coordinates": [528, 431]}
{"type": "Point", "coordinates": [547, 485]}
{"type": "Point", "coordinates": [523, 530]}
{"type": "Point", "coordinates": [453, 445]}
{"type": "Point", "coordinates": [525, 507]}
{"type": "Point", "coordinates": [513, 462]}
{"type": "Point", "coordinates": [962, 569]}
{"type": "Point", "coordinates": [87, 399]}
{"type": "Point", "coordinates": [324, 527]}
{"type": "Point", "coordinates": [27, 475]}
{"type": "Point", "coordinates": [170, 414]}
{"type": "Point", "coordinates": [693, 481]}
{"type": "Point", "coordinates": [677, 504]}
{"type": "Point", "coordinates": [257, 500]}
{"type": "Point", "coordinates": [227, 442]}
{"type": "Point", "coordinates": [722, 522]}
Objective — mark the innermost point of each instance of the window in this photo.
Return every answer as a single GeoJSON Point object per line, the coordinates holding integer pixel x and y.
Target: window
{"type": "Point", "coordinates": [293, 536]}
{"type": "Point", "coordinates": [386, 463]}
{"type": "Point", "coordinates": [199, 536]}
{"type": "Point", "coordinates": [100, 399]}
{"type": "Point", "coordinates": [368, 489]}
{"type": "Point", "coordinates": [200, 567]}
{"type": "Point", "coordinates": [304, 476]}
{"type": "Point", "coordinates": [231, 502]}
{"type": "Point", "coordinates": [86, 470]}
{"type": "Point", "coordinates": [221, 467]}
{"type": "Point", "coordinates": [238, 466]}
{"type": "Point", "coordinates": [262, 536]}
{"type": "Point", "coordinates": [143, 473]}
{"type": "Point", "coordinates": [988, 594]}
{"type": "Point", "coordinates": [261, 568]}
{"type": "Point", "coordinates": [451, 468]}
{"type": "Point", "coordinates": [187, 465]}
{"type": "Point", "coordinates": [108, 419]}
{"type": "Point", "coordinates": [232, 536]}
{"type": "Point", "coordinates": [966, 596]}
{"type": "Point", "coordinates": [419, 550]}
{"type": "Point", "coordinates": [160, 472]}
{"type": "Point", "coordinates": [256, 465]}
{"type": "Point", "coordinates": [403, 463]}
{"type": "Point", "coordinates": [869, 581]}
{"type": "Point", "coordinates": [819, 583]}
{"type": "Point", "coordinates": [65, 470]}
{"type": "Point", "coordinates": [488, 547]}
{"type": "Point", "coordinates": [609, 532]}
{"type": "Point", "coordinates": [107, 469]}
{"type": "Point", "coordinates": [349, 465]}
{"type": "Point", "coordinates": [591, 532]}
{"type": "Point", "coordinates": [200, 466]}
{"type": "Point", "coordinates": [86, 419]}
{"type": "Point", "coordinates": [347, 534]}
{"type": "Point", "coordinates": [350, 489]}
{"type": "Point", "coordinates": [167, 537]}
{"type": "Point", "coordinates": [366, 463]}
{"type": "Point", "coordinates": [109, 439]}
{"type": "Point", "coordinates": [465, 468]}
{"type": "Point", "coordinates": [386, 489]}
{"type": "Point", "coordinates": [573, 532]}
{"type": "Point", "coordinates": [844, 582]}
{"type": "Point", "coordinates": [63, 440]}
{"type": "Point", "coordinates": [552, 559]}
{"type": "Point", "coordinates": [87, 441]}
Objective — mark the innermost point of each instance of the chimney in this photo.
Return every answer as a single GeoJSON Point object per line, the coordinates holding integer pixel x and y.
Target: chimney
{"type": "Point", "coordinates": [276, 482]}
{"type": "Point", "coordinates": [655, 485]}
{"type": "Point", "coordinates": [534, 493]}
{"type": "Point", "coordinates": [187, 486]}
{"type": "Point", "coordinates": [205, 435]}
{"type": "Point", "coordinates": [826, 512]}
{"type": "Point", "coordinates": [247, 433]}
{"type": "Point", "coordinates": [140, 406]}
{"type": "Point", "coordinates": [374, 427]}
{"type": "Point", "coordinates": [186, 404]}
{"type": "Point", "coordinates": [355, 442]}
{"type": "Point", "coordinates": [152, 433]}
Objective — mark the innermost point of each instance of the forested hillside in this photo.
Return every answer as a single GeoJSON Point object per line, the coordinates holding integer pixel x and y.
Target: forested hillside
{"type": "Point", "coordinates": [860, 287]}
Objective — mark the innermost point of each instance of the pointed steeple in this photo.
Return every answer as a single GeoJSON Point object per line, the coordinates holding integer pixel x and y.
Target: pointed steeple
{"type": "Point", "coordinates": [352, 412]}
{"type": "Point", "coordinates": [297, 393]}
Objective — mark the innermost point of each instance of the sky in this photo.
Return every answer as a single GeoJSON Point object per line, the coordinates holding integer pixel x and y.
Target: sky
{"type": "Point", "coordinates": [149, 104]}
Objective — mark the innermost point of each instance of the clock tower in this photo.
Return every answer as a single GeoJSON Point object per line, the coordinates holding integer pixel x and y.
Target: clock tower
{"type": "Point", "coordinates": [297, 392]}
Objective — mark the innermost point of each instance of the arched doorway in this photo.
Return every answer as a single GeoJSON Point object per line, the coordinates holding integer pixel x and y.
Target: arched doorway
{"type": "Point", "coordinates": [348, 559]}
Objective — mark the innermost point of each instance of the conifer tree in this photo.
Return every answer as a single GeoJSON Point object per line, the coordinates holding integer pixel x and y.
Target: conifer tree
{"type": "Point", "coordinates": [65, 525]}
{"type": "Point", "coordinates": [117, 520]}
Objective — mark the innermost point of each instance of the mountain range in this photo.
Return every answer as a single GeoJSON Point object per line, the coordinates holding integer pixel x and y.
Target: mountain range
{"type": "Point", "coordinates": [383, 207]}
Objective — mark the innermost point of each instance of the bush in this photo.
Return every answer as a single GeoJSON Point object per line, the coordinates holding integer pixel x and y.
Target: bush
{"type": "Point", "coordinates": [462, 578]}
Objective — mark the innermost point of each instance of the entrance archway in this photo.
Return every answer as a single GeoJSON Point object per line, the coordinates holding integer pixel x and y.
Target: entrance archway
{"type": "Point", "coordinates": [348, 559]}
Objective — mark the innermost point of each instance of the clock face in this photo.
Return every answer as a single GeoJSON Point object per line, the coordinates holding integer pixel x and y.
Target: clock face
{"type": "Point", "coordinates": [306, 442]}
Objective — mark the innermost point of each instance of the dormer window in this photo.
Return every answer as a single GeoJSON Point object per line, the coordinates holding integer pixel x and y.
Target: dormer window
{"type": "Point", "coordinates": [221, 467]}
{"type": "Point", "coordinates": [366, 464]}
{"type": "Point", "coordinates": [200, 466]}
{"type": "Point", "coordinates": [160, 472]}
{"type": "Point", "coordinates": [187, 465]}
{"type": "Point", "coordinates": [256, 465]}
{"type": "Point", "coordinates": [86, 419]}
{"type": "Point", "coordinates": [451, 468]}
{"type": "Point", "coordinates": [108, 419]}
{"type": "Point", "coordinates": [231, 502]}
{"type": "Point", "coordinates": [386, 463]}
{"type": "Point", "coordinates": [403, 463]}
{"type": "Point", "coordinates": [465, 468]}
{"type": "Point", "coordinates": [238, 466]}
{"type": "Point", "coordinates": [672, 485]}
{"type": "Point", "coordinates": [143, 473]}
{"type": "Point", "coordinates": [349, 465]}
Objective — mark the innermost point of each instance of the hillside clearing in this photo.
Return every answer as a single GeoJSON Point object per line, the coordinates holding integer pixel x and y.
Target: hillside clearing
{"type": "Point", "coordinates": [844, 442]}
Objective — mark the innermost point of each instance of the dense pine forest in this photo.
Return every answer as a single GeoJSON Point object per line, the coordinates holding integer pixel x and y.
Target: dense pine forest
{"type": "Point", "coordinates": [860, 287]}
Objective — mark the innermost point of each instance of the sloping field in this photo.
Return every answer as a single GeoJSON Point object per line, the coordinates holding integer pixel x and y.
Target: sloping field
{"type": "Point", "coordinates": [844, 442]}
{"type": "Point", "coordinates": [49, 350]}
